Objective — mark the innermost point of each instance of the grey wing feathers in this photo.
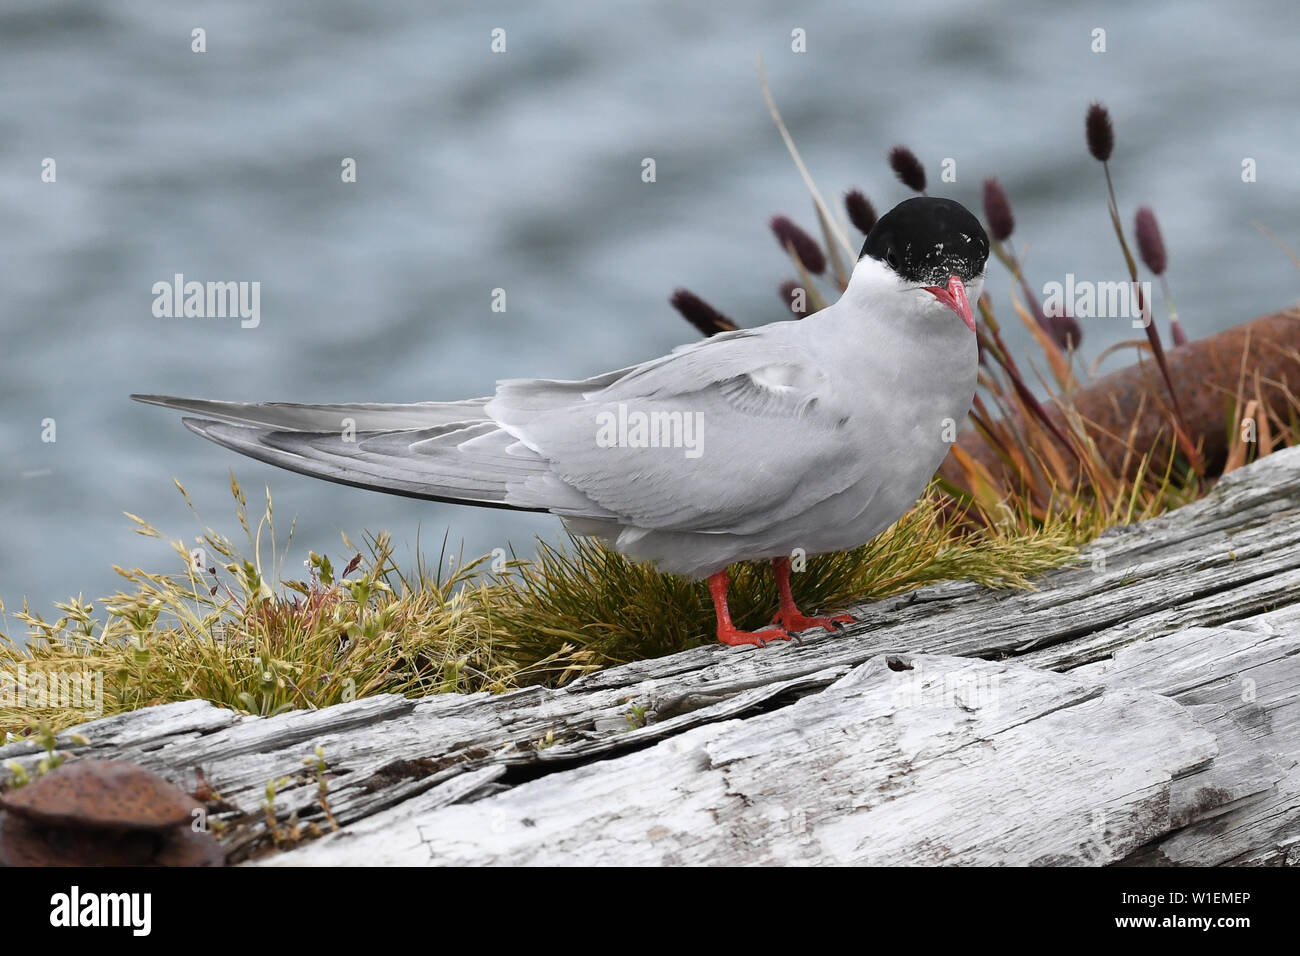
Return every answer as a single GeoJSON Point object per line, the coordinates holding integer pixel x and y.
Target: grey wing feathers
{"type": "Point", "coordinates": [446, 451]}
{"type": "Point", "coordinates": [417, 463]}
{"type": "Point", "coordinates": [365, 417]}
{"type": "Point", "coordinates": [769, 436]}
{"type": "Point", "coordinates": [536, 444]}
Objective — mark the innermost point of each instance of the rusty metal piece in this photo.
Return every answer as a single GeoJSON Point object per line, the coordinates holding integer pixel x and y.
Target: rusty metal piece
{"type": "Point", "coordinates": [102, 813]}
{"type": "Point", "coordinates": [102, 794]}
{"type": "Point", "coordinates": [1205, 373]}
{"type": "Point", "coordinates": [26, 843]}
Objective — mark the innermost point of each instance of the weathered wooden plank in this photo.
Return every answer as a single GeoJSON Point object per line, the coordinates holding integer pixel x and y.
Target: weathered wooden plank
{"type": "Point", "coordinates": [1244, 687]}
{"type": "Point", "coordinates": [147, 727]}
{"type": "Point", "coordinates": [948, 761]}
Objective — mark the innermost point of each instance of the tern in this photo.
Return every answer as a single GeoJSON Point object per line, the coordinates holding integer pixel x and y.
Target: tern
{"type": "Point", "coordinates": [798, 437]}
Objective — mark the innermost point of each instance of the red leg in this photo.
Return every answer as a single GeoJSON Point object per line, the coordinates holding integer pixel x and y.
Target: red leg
{"type": "Point", "coordinates": [727, 632]}
{"type": "Point", "coordinates": [789, 617]}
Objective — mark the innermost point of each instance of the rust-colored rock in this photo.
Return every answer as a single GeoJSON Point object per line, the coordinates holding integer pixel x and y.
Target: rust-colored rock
{"type": "Point", "coordinates": [102, 813]}
{"type": "Point", "coordinates": [25, 843]}
{"type": "Point", "coordinates": [1204, 372]}
{"type": "Point", "coordinates": [104, 794]}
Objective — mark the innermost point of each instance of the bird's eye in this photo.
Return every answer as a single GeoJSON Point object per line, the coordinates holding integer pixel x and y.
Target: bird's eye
{"type": "Point", "coordinates": [892, 258]}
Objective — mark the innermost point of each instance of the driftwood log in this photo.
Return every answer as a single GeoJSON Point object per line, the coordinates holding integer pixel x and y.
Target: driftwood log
{"type": "Point", "coordinates": [1141, 707]}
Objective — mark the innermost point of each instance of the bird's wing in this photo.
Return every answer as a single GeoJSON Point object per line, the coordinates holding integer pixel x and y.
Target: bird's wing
{"type": "Point", "coordinates": [445, 451]}
{"type": "Point", "coordinates": [366, 417]}
{"type": "Point", "coordinates": [754, 430]}
{"type": "Point", "coordinates": [753, 434]}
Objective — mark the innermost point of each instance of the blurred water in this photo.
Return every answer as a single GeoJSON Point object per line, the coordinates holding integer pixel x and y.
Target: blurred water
{"type": "Point", "coordinates": [522, 171]}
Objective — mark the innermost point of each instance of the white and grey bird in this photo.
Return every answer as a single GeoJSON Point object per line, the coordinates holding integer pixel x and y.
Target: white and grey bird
{"type": "Point", "coordinates": [805, 436]}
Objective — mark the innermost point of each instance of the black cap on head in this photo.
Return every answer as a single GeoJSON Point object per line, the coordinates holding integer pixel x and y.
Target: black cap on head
{"type": "Point", "coordinates": [927, 240]}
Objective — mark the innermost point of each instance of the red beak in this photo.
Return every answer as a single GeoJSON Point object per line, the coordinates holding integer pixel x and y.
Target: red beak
{"type": "Point", "coordinates": [954, 297]}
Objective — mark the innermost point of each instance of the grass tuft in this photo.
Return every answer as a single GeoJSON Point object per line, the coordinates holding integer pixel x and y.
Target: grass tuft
{"type": "Point", "coordinates": [239, 632]}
